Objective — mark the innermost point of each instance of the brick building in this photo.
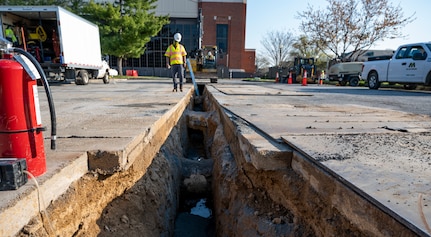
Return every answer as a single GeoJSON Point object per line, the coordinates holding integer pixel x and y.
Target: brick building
{"type": "Point", "coordinates": [220, 23]}
{"type": "Point", "coordinates": [224, 24]}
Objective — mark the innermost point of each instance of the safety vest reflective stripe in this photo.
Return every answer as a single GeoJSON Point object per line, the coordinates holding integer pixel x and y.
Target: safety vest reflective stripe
{"type": "Point", "coordinates": [176, 54]}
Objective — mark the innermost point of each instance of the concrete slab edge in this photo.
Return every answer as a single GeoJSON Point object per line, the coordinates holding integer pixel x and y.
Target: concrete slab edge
{"type": "Point", "coordinates": [361, 212]}
{"type": "Point", "coordinates": [109, 162]}
{"type": "Point", "coordinates": [51, 188]}
{"type": "Point", "coordinates": [256, 149]}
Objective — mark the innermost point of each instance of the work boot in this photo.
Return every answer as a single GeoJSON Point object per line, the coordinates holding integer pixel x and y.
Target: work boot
{"type": "Point", "coordinates": [181, 88]}
{"type": "Point", "coordinates": [174, 90]}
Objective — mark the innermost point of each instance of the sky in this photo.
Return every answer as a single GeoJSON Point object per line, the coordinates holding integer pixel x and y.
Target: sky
{"type": "Point", "coordinates": [264, 16]}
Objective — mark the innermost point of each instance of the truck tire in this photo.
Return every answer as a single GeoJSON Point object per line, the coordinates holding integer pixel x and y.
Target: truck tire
{"type": "Point", "coordinates": [82, 78]}
{"type": "Point", "coordinates": [373, 80]}
{"type": "Point", "coordinates": [354, 81]}
{"type": "Point", "coordinates": [106, 78]}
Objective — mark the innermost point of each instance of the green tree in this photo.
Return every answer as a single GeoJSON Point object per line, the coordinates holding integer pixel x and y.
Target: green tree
{"type": "Point", "coordinates": [125, 29]}
{"type": "Point", "coordinates": [352, 25]}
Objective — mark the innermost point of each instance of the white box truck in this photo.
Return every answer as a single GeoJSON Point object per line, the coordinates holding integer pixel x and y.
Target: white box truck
{"type": "Point", "coordinates": [66, 45]}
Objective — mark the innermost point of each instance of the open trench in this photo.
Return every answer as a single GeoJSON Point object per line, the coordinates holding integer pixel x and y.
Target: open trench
{"type": "Point", "coordinates": [207, 179]}
{"type": "Point", "coordinates": [197, 189]}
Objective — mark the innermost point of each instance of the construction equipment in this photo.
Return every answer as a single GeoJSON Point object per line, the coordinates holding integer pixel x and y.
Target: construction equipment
{"type": "Point", "coordinates": [206, 60]}
{"type": "Point", "coordinates": [304, 64]}
{"type": "Point", "coordinates": [39, 34]}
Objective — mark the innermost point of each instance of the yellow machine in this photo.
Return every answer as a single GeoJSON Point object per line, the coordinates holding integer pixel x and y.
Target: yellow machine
{"type": "Point", "coordinates": [205, 60]}
{"type": "Point", "coordinates": [300, 65]}
{"type": "Point", "coordinates": [40, 34]}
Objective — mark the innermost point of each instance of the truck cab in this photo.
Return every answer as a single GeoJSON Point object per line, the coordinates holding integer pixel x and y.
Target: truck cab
{"type": "Point", "coordinates": [409, 63]}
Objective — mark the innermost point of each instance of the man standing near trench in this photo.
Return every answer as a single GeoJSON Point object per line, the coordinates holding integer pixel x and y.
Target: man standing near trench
{"type": "Point", "coordinates": [176, 61]}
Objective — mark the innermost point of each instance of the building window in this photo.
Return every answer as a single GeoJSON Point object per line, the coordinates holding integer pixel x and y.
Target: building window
{"type": "Point", "coordinates": [221, 38]}
{"type": "Point", "coordinates": [155, 49]}
{"type": "Point", "coordinates": [157, 46]}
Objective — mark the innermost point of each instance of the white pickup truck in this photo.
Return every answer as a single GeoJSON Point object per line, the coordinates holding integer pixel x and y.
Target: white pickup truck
{"type": "Point", "coordinates": [410, 65]}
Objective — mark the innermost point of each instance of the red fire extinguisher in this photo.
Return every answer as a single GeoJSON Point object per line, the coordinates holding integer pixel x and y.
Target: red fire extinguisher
{"type": "Point", "coordinates": [20, 118]}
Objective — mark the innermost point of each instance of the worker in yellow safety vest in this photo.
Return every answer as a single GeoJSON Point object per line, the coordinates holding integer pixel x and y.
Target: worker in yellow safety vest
{"type": "Point", "coordinates": [322, 77]}
{"type": "Point", "coordinates": [10, 35]}
{"type": "Point", "coordinates": [176, 61]}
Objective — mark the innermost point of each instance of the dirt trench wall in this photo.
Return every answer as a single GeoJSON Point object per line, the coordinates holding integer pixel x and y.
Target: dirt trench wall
{"type": "Point", "coordinates": [139, 201]}
{"type": "Point", "coordinates": [301, 200]}
{"type": "Point", "coordinates": [149, 207]}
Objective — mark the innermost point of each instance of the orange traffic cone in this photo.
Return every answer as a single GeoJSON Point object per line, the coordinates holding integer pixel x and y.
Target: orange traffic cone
{"type": "Point", "coordinates": [304, 79]}
{"type": "Point", "coordinates": [276, 78]}
{"type": "Point", "coordinates": [289, 81]}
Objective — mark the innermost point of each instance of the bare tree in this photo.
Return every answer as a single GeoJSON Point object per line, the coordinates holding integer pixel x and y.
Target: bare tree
{"type": "Point", "coordinates": [277, 45]}
{"type": "Point", "coordinates": [261, 61]}
{"type": "Point", "coordinates": [353, 25]}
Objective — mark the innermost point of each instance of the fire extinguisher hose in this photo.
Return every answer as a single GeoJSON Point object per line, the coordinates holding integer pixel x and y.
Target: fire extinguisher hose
{"type": "Point", "coordinates": [45, 84]}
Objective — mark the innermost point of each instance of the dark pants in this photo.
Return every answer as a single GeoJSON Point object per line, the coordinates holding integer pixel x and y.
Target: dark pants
{"type": "Point", "coordinates": [177, 70]}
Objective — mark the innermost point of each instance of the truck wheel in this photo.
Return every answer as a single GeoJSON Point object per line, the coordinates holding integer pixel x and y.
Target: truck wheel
{"type": "Point", "coordinates": [373, 81]}
{"type": "Point", "coordinates": [82, 78]}
{"type": "Point", "coordinates": [354, 81]}
{"type": "Point", "coordinates": [106, 78]}
{"type": "Point", "coordinates": [78, 81]}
